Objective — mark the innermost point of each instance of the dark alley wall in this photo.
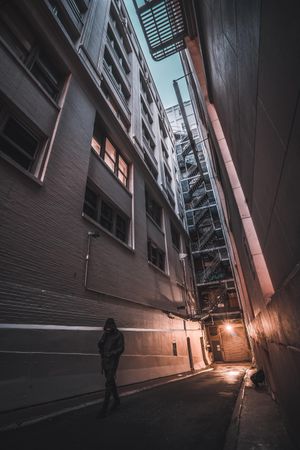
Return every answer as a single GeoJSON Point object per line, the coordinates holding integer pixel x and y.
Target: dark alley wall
{"type": "Point", "coordinates": [251, 58]}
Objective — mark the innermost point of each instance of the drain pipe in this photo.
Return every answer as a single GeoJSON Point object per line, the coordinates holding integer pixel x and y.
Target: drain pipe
{"type": "Point", "coordinates": [87, 257]}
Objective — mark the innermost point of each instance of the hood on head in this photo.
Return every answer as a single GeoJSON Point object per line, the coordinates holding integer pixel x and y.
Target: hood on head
{"type": "Point", "coordinates": [110, 324]}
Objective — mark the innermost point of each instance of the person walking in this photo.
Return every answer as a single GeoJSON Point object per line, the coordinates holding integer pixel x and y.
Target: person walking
{"type": "Point", "coordinates": [111, 346]}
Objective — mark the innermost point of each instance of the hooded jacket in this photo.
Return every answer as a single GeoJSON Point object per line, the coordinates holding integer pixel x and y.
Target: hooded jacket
{"type": "Point", "coordinates": [111, 346]}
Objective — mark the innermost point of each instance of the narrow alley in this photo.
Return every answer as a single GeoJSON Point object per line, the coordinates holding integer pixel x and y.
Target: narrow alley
{"type": "Point", "coordinates": [191, 413]}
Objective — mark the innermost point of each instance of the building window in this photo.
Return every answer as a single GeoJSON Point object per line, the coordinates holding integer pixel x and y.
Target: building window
{"type": "Point", "coordinates": [70, 14]}
{"type": "Point", "coordinates": [175, 237]}
{"type": "Point", "coordinates": [106, 214]}
{"type": "Point", "coordinates": [155, 255]}
{"type": "Point", "coordinates": [90, 203]}
{"type": "Point", "coordinates": [18, 36]}
{"type": "Point", "coordinates": [153, 209]}
{"type": "Point", "coordinates": [102, 146]}
{"type": "Point", "coordinates": [19, 143]}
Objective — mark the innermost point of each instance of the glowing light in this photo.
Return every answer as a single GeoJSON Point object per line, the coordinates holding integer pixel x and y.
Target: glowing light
{"type": "Point", "coordinates": [228, 327]}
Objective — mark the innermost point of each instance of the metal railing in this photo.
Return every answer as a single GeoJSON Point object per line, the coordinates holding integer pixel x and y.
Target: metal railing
{"type": "Point", "coordinates": [204, 240]}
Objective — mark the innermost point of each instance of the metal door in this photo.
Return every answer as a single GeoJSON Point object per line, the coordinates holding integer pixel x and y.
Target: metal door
{"type": "Point", "coordinates": [216, 347]}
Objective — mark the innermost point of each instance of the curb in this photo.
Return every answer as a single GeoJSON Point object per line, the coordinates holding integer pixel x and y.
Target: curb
{"type": "Point", "coordinates": [24, 423]}
{"type": "Point", "coordinates": [232, 433]}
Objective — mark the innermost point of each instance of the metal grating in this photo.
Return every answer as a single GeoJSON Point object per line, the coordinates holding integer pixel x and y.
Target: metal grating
{"type": "Point", "coordinates": [164, 26]}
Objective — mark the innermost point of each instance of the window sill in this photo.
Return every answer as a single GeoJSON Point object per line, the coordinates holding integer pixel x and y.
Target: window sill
{"type": "Point", "coordinates": [98, 158]}
{"type": "Point", "coordinates": [21, 169]}
{"type": "Point", "coordinates": [158, 269]}
{"type": "Point", "coordinates": [97, 225]}
{"type": "Point", "coordinates": [154, 223]}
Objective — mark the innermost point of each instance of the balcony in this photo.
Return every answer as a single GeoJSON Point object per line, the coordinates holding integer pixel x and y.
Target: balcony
{"type": "Point", "coordinates": [115, 86]}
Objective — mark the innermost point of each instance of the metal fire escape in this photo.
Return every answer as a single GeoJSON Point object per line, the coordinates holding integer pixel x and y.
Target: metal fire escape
{"type": "Point", "coordinates": [164, 26]}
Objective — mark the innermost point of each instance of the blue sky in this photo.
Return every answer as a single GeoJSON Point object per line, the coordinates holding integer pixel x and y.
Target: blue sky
{"type": "Point", "coordinates": [163, 72]}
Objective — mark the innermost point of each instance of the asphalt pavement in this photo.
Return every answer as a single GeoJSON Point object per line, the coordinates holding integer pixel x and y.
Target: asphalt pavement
{"type": "Point", "coordinates": [191, 413]}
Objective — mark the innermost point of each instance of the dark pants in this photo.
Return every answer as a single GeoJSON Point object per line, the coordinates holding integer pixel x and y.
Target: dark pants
{"type": "Point", "coordinates": [110, 387]}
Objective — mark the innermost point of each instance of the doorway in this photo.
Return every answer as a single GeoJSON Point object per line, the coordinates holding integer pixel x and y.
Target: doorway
{"type": "Point", "coordinates": [216, 348]}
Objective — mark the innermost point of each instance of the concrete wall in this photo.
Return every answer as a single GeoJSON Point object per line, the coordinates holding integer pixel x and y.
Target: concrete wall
{"type": "Point", "coordinates": [249, 51]}
{"type": "Point", "coordinates": [45, 362]}
{"type": "Point", "coordinates": [44, 235]}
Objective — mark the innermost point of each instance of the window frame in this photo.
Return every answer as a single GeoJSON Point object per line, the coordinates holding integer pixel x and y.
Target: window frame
{"type": "Point", "coordinates": [36, 164]}
{"type": "Point", "coordinates": [156, 259]}
{"type": "Point", "coordinates": [152, 207]}
{"type": "Point", "coordinates": [101, 141]}
{"type": "Point", "coordinates": [24, 44]}
{"type": "Point", "coordinates": [99, 218]}
{"type": "Point", "coordinates": [174, 234]}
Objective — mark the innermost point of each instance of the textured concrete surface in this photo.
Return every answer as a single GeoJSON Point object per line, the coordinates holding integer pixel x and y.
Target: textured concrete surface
{"type": "Point", "coordinates": [261, 426]}
{"type": "Point", "coordinates": [191, 413]}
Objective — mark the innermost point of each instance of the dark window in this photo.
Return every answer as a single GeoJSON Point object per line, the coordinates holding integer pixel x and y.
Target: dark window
{"type": "Point", "coordinates": [70, 15]}
{"type": "Point", "coordinates": [46, 73]}
{"type": "Point", "coordinates": [107, 215]}
{"type": "Point", "coordinates": [175, 237]}
{"type": "Point", "coordinates": [18, 35]}
{"type": "Point", "coordinates": [19, 143]}
{"type": "Point", "coordinates": [150, 166]}
{"type": "Point", "coordinates": [90, 203]}
{"type": "Point", "coordinates": [155, 255]}
{"type": "Point", "coordinates": [121, 228]}
{"type": "Point", "coordinates": [153, 209]}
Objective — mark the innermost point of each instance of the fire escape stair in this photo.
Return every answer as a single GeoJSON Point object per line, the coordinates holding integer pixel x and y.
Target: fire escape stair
{"type": "Point", "coordinates": [195, 183]}
{"type": "Point", "coordinates": [204, 276]}
{"type": "Point", "coordinates": [204, 240]}
{"type": "Point", "coordinates": [186, 150]}
{"type": "Point", "coordinates": [200, 214]}
{"type": "Point", "coordinates": [192, 171]}
{"type": "Point", "coordinates": [198, 200]}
